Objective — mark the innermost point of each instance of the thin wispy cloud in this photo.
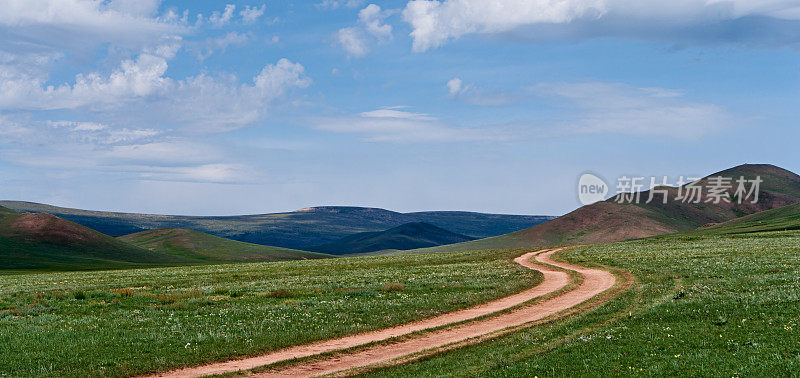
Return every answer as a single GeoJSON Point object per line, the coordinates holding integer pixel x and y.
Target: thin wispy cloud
{"type": "Point", "coordinates": [129, 114]}
{"type": "Point", "coordinates": [398, 126]}
{"type": "Point", "coordinates": [617, 108]}
{"type": "Point", "coordinates": [472, 94]}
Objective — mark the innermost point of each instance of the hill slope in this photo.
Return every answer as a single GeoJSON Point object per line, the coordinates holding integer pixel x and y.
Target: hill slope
{"type": "Point", "coordinates": [201, 246]}
{"type": "Point", "coordinates": [609, 221]}
{"type": "Point", "coordinates": [298, 229]}
{"type": "Point", "coordinates": [407, 236]}
{"type": "Point", "coordinates": [781, 219]}
{"type": "Point", "coordinates": [44, 241]}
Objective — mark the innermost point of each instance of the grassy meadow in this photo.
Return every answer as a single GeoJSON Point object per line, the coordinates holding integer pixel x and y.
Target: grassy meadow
{"type": "Point", "coordinates": [125, 322]}
{"type": "Point", "coordinates": [702, 305]}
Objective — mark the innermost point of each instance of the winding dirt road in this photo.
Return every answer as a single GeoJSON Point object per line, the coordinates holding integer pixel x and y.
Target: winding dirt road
{"type": "Point", "coordinates": [594, 282]}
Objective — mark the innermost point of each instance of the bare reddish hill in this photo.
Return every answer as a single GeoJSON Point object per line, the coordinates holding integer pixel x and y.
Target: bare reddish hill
{"type": "Point", "coordinates": [44, 241]}
{"type": "Point", "coordinates": [52, 229]}
{"type": "Point", "coordinates": [610, 221]}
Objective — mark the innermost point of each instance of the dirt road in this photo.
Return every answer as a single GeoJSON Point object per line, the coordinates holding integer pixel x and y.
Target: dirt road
{"type": "Point", "coordinates": [594, 282]}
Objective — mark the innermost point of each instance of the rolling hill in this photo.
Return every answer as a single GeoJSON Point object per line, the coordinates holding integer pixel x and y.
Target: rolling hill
{"type": "Point", "coordinates": [407, 236]}
{"type": "Point", "coordinates": [298, 229]}
{"type": "Point", "coordinates": [47, 242]}
{"type": "Point", "coordinates": [780, 219]}
{"type": "Point", "coordinates": [609, 221]}
{"type": "Point", "coordinates": [38, 241]}
{"type": "Point", "coordinates": [200, 246]}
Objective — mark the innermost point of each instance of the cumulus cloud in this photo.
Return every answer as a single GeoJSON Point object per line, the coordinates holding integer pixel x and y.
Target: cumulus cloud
{"type": "Point", "coordinates": [218, 19]}
{"type": "Point", "coordinates": [455, 87]}
{"type": "Point", "coordinates": [353, 41]}
{"type": "Point", "coordinates": [139, 88]}
{"type": "Point", "coordinates": [250, 15]}
{"type": "Point", "coordinates": [371, 23]}
{"type": "Point", "coordinates": [372, 19]}
{"type": "Point", "coordinates": [206, 103]}
{"type": "Point", "coordinates": [398, 126]}
{"type": "Point", "coordinates": [616, 108]}
{"type": "Point", "coordinates": [138, 77]}
{"type": "Point", "coordinates": [436, 22]}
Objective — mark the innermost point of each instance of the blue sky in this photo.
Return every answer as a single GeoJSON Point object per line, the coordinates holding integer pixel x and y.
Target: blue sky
{"type": "Point", "coordinates": [193, 107]}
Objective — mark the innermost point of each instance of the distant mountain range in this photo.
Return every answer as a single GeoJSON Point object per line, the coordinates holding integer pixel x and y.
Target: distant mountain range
{"type": "Point", "coordinates": [300, 229]}
{"type": "Point", "coordinates": [38, 241]}
{"type": "Point", "coordinates": [610, 221]}
{"type": "Point", "coordinates": [403, 237]}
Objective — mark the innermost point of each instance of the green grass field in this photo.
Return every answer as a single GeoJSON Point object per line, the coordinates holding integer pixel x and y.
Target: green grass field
{"type": "Point", "coordinates": [717, 301]}
{"type": "Point", "coordinates": [702, 306]}
{"type": "Point", "coordinates": [116, 323]}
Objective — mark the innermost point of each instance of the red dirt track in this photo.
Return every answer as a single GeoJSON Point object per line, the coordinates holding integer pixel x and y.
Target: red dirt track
{"type": "Point", "coordinates": [594, 282]}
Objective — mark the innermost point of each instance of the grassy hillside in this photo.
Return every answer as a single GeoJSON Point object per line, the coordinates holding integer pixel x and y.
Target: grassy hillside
{"type": "Point", "coordinates": [781, 219]}
{"type": "Point", "coordinates": [204, 247]}
{"type": "Point", "coordinates": [129, 322]}
{"type": "Point", "coordinates": [610, 221]}
{"type": "Point", "coordinates": [407, 236]}
{"type": "Point", "coordinates": [715, 306]}
{"type": "Point", "coordinates": [46, 242]}
{"type": "Point", "coordinates": [298, 229]}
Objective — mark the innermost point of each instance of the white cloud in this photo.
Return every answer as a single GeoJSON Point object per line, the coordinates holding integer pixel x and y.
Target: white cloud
{"type": "Point", "coordinates": [81, 25]}
{"type": "Point", "coordinates": [216, 173]}
{"type": "Point", "coordinates": [70, 146]}
{"type": "Point", "coordinates": [392, 112]}
{"type": "Point", "coordinates": [31, 134]}
{"type": "Point", "coordinates": [220, 44]}
{"type": "Point", "coordinates": [334, 4]}
{"type": "Point", "coordinates": [455, 87]}
{"type": "Point", "coordinates": [216, 104]}
{"type": "Point", "coordinates": [371, 22]}
{"type": "Point", "coordinates": [275, 79]}
{"type": "Point", "coordinates": [372, 18]}
{"type": "Point", "coordinates": [618, 108]}
{"type": "Point", "coordinates": [352, 41]}
{"type": "Point", "coordinates": [127, 114]}
{"type": "Point", "coordinates": [141, 77]}
{"type": "Point", "coordinates": [139, 91]}
{"type": "Point", "coordinates": [392, 125]}
{"type": "Point", "coordinates": [135, 7]}
{"type": "Point", "coordinates": [166, 151]}
{"type": "Point", "coordinates": [436, 22]}
{"type": "Point", "coordinates": [218, 19]}
{"type": "Point", "coordinates": [79, 126]}
{"type": "Point", "coordinates": [472, 94]}
{"type": "Point", "coordinates": [250, 15]}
